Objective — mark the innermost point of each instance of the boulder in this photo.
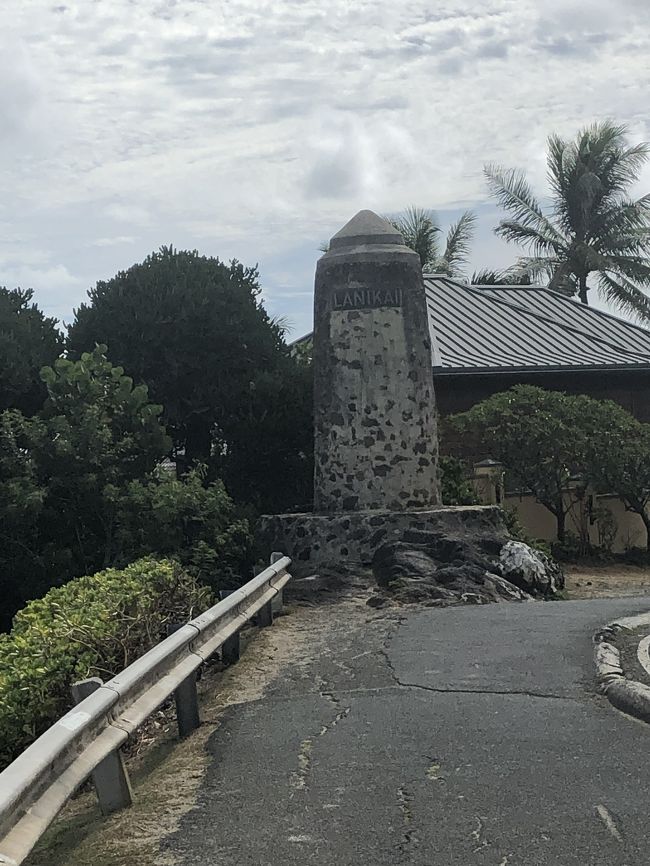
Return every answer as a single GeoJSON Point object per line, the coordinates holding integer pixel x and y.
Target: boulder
{"type": "Point", "coordinates": [530, 570]}
{"type": "Point", "coordinates": [439, 568]}
{"type": "Point", "coordinates": [435, 568]}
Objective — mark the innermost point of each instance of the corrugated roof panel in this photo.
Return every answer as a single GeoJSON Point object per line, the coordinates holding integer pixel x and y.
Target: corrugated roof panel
{"type": "Point", "coordinates": [571, 313]}
{"type": "Point", "coordinates": [493, 328]}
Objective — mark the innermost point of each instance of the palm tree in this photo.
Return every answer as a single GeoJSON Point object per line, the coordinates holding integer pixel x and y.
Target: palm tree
{"type": "Point", "coordinates": [593, 225]}
{"type": "Point", "coordinates": [509, 277]}
{"type": "Point", "coordinates": [421, 232]}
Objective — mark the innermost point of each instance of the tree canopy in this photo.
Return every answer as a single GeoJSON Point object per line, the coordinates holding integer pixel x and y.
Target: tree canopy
{"type": "Point", "coordinates": [551, 441]}
{"type": "Point", "coordinates": [28, 341]}
{"type": "Point", "coordinates": [593, 226]}
{"type": "Point", "coordinates": [195, 331]}
{"type": "Point", "coordinates": [61, 471]}
{"type": "Point", "coordinates": [82, 487]}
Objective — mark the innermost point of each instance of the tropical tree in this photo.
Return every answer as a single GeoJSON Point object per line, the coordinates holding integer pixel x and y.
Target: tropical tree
{"type": "Point", "coordinates": [421, 232]}
{"type": "Point", "coordinates": [28, 341]}
{"type": "Point", "coordinates": [61, 471]}
{"type": "Point", "coordinates": [594, 225]}
{"type": "Point", "coordinates": [620, 461]}
{"type": "Point", "coordinates": [194, 330]}
{"type": "Point", "coordinates": [83, 486]}
{"type": "Point", "coordinates": [533, 433]}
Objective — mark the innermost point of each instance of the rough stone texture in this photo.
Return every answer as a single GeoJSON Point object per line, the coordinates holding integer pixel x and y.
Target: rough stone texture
{"type": "Point", "coordinates": [341, 542]}
{"type": "Point", "coordinates": [463, 566]}
{"type": "Point", "coordinates": [445, 567]}
{"type": "Point", "coordinates": [530, 569]}
{"type": "Point", "coordinates": [374, 404]}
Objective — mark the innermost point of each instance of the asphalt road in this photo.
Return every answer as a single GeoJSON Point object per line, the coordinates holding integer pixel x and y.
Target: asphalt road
{"type": "Point", "coordinates": [439, 737]}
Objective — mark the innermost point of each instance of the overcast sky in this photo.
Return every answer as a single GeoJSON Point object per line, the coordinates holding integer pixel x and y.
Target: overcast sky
{"type": "Point", "coordinates": [255, 128]}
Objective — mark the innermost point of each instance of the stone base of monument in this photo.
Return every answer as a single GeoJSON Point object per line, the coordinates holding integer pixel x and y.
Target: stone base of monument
{"type": "Point", "coordinates": [350, 540]}
{"type": "Point", "coordinates": [439, 555]}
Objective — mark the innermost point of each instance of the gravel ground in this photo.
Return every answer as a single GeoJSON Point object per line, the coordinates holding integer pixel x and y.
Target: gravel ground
{"type": "Point", "coordinates": [606, 581]}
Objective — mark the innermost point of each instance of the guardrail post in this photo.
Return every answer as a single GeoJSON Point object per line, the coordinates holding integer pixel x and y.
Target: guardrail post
{"type": "Point", "coordinates": [186, 699]}
{"type": "Point", "coordinates": [265, 615]}
{"type": "Point", "coordinates": [110, 777]}
{"type": "Point", "coordinates": [230, 649]}
{"type": "Point", "coordinates": [278, 601]}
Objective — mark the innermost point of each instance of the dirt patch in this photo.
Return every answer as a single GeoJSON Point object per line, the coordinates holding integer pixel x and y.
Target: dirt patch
{"type": "Point", "coordinates": [606, 581]}
{"type": "Point", "coordinates": [166, 773]}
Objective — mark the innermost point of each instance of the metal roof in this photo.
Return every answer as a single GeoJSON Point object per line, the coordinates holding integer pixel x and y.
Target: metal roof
{"type": "Point", "coordinates": [491, 329]}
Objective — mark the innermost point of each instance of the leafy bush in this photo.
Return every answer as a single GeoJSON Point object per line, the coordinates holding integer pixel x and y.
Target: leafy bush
{"type": "Point", "coordinates": [454, 486]}
{"type": "Point", "coordinates": [79, 490]}
{"type": "Point", "coordinates": [59, 472]}
{"type": "Point", "coordinates": [92, 626]}
{"type": "Point", "coordinates": [549, 440]}
{"type": "Point", "coordinates": [570, 550]}
{"type": "Point", "coordinates": [181, 518]}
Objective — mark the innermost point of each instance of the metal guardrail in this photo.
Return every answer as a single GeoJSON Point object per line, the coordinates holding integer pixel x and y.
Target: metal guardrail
{"type": "Point", "coordinates": [86, 741]}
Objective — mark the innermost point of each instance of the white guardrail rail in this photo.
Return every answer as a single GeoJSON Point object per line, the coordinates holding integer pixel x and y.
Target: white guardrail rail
{"type": "Point", "coordinates": [86, 741]}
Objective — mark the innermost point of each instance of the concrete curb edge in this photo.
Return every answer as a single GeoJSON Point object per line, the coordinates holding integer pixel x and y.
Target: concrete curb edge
{"type": "Point", "coordinates": [629, 696]}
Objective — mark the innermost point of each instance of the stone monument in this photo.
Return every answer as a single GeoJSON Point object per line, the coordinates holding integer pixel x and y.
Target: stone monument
{"type": "Point", "coordinates": [376, 443]}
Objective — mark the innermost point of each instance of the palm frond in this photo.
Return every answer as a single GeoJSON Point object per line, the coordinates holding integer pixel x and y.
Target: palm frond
{"type": "Point", "coordinates": [633, 267]}
{"type": "Point", "coordinates": [284, 324]}
{"type": "Point", "coordinates": [419, 228]}
{"type": "Point", "coordinates": [513, 192]}
{"type": "Point", "coordinates": [507, 277]}
{"type": "Point", "coordinates": [533, 237]}
{"type": "Point", "coordinates": [556, 162]}
{"type": "Point", "coordinates": [629, 269]}
{"type": "Point", "coordinates": [486, 277]}
{"type": "Point", "coordinates": [534, 267]}
{"type": "Point", "coordinates": [458, 244]}
{"type": "Point", "coordinates": [624, 166]}
{"type": "Point", "coordinates": [624, 295]}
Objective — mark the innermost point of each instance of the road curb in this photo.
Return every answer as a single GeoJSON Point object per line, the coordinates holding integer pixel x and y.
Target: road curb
{"type": "Point", "coordinates": [630, 696]}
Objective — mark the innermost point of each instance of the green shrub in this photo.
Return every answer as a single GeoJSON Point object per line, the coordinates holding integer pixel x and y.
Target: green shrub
{"type": "Point", "coordinates": [569, 550]}
{"type": "Point", "coordinates": [195, 524]}
{"type": "Point", "coordinates": [454, 486]}
{"type": "Point", "coordinates": [92, 626]}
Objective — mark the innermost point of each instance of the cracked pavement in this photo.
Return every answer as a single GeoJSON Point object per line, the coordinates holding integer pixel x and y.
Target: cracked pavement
{"type": "Point", "coordinates": [426, 736]}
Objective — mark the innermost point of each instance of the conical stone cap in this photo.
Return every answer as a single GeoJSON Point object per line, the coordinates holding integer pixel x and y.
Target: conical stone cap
{"type": "Point", "coordinates": [364, 229]}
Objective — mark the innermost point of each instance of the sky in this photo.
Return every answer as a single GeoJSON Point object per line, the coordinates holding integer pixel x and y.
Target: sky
{"type": "Point", "coordinates": [254, 129]}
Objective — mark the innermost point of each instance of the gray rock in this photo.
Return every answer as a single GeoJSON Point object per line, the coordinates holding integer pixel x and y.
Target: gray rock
{"type": "Point", "coordinates": [464, 564]}
{"type": "Point", "coordinates": [530, 570]}
{"type": "Point", "coordinates": [436, 568]}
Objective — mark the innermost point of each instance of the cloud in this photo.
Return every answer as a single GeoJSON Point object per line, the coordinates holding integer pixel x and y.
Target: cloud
{"type": "Point", "coordinates": [21, 93]}
{"type": "Point", "coordinates": [257, 128]}
{"type": "Point", "coordinates": [113, 242]}
{"type": "Point", "coordinates": [131, 214]}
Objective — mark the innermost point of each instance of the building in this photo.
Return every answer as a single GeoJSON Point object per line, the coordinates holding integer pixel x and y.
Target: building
{"type": "Point", "coordinates": [488, 338]}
